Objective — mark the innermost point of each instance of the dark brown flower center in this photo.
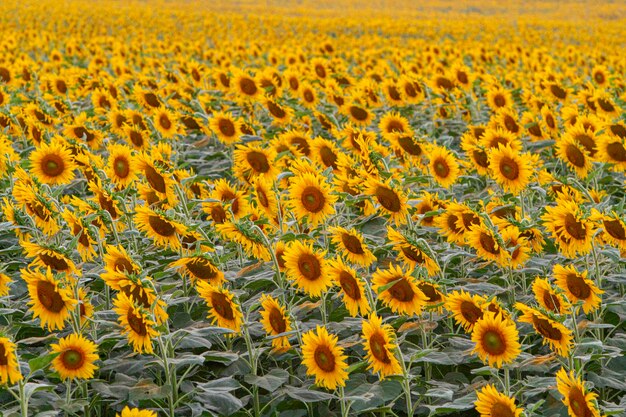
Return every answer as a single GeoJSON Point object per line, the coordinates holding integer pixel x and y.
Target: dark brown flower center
{"type": "Point", "coordinates": [615, 229]}
{"type": "Point", "coordinates": [49, 297]}
{"type": "Point", "coordinates": [606, 105]}
{"type": "Point", "coordinates": [499, 409]}
{"type": "Point", "coordinates": [248, 86]}
{"type": "Point", "coordinates": [470, 311]}
{"type": "Point", "coordinates": [352, 243]}
{"type": "Point", "coordinates": [442, 170]}
{"type": "Point", "coordinates": [430, 292]}
{"type": "Point", "coordinates": [578, 287]}
{"type": "Point", "coordinates": [4, 356]}
{"type": "Point", "coordinates": [546, 329]}
{"type": "Point", "coordinates": [72, 359]}
{"type": "Point", "coordinates": [227, 127]}
{"type": "Point", "coordinates": [54, 262]}
{"type": "Point", "coordinates": [52, 165]}
{"type": "Point", "coordinates": [258, 161]}
{"type": "Point", "coordinates": [575, 156]}
{"type": "Point", "coordinates": [324, 358]}
{"type": "Point", "coordinates": [388, 199]}
{"type": "Point", "coordinates": [616, 151]}
{"type": "Point", "coordinates": [277, 321]}
{"type": "Point", "coordinates": [493, 342]}
{"type": "Point", "coordinates": [575, 227]}
{"type": "Point", "coordinates": [588, 142]}
{"type": "Point", "coordinates": [509, 168]}
{"type": "Point", "coordinates": [165, 122]}
{"type": "Point", "coordinates": [358, 113]}
{"type": "Point", "coordinates": [349, 285]}
{"type": "Point", "coordinates": [161, 226]}
{"type": "Point", "coordinates": [499, 100]}
{"type": "Point", "coordinates": [402, 290]}
{"type": "Point", "coordinates": [309, 267]}
{"type": "Point", "coordinates": [413, 254]}
{"type": "Point", "coordinates": [202, 269]}
{"type": "Point", "coordinates": [155, 179]}
{"type": "Point", "coordinates": [480, 157]}
{"type": "Point", "coordinates": [121, 166]}
{"type": "Point", "coordinates": [551, 301]}
{"type": "Point", "coordinates": [152, 100]}
{"type": "Point", "coordinates": [137, 323]}
{"type": "Point", "coordinates": [313, 199]}
{"type": "Point", "coordinates": [378, 347]}
{"type": "Point", "coordinates": [222, 305]}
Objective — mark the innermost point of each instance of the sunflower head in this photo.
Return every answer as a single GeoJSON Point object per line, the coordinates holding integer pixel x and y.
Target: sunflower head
{"type": "Point", "coordinates": [324, 359]}
{"type": "Point", "coordinates": [76, 357]}
{"type": "Point", "coordinates": [496, 339]}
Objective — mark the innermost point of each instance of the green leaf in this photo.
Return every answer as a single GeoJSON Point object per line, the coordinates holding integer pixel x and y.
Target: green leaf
{"type": "Point", "coordinates": [41, 362]}
{"type": "Point", "coordinates": [270, 381]}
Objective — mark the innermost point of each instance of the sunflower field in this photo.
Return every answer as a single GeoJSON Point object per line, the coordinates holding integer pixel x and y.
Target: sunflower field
{"type": "Point", "coordinates": [313, 208]}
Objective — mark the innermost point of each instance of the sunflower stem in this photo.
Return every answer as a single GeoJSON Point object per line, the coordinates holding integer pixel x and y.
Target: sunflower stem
{"type": "Point", "coordinates": [342, 401]}
{"type": "Point", "coordinates": [22, 399]}
{"type": "Point", "coordinates": [507, 381]}
{"type": "Point", "coordinates": [406, 382]}
{"type": "Point", "coordinates": [253, 367]}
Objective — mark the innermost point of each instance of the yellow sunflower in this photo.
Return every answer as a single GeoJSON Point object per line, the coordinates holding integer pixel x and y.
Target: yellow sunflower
{"type": "Point", "coordinates": [358, 114]}
{"type": "Point", "coordinates": [548, 298]}
{"type": "Point", "coordinates": [5, 280]}
{"type": "Point", "coordinates": [392, 200]}
{"type": "Point", "coordinates": [577, 287]}
{"type": "Point", "coordinates": [135, 322]}
{"type": "Point", "coordinates": [121, 166]}
{"type": "Point", "coordinates": [245, 85]}
{"type": "Point", "coordinates": [136, 412]}
{"type": "Point", "coordinates": [275, 321]}
{"type": "Point", "coordinates": [411, 253]}
{"type": "Point", "coordinates": [554, 333]}
{"type": "Point", "coordinates": [487, 244]}
{"type": "Point", "coordinates": [9, 366]}
{"type": "Point", "coordinates": [307, 268]}
{"type": "Point", "coordinates": [251, 242]}
{"type": "Point", "coordinates": [571, 231]}
{"type": "Point", "coordinates": [496, 339]}
{"type": "Point", "coordinates": [253, 161]}
{"type": "Point", "coordinates": [456, 221]}
{"type": "Point", "coordinates": [491, 403]}
{"type": "Point", "coordinates": [76, 357]}
{"type": "Point", "coordinates": [166, 123]}
{"type": "Point", "coordinates": [200, 268]}
{"type": "Point", "coordinates": [311, 197]}
{"type": "Point", "coordinates": [52, 163]}
{"type": "Point", "coordinates": [510, 169]}
{"type": "Point", "coordinates": [612, 150]}
{"type": "Point", "coordinates": [398, 290]}
{"type": "Point", "coordinates": [498, 97]}
{"type": "Point", "coordinates": [265, 196]}
{"type": "Point", "coordinates": [352, 287]}
{"type": "Point", "coordinates": [223, 310]}
{"type": "Point", "coordinates": [163, 231]}
{"type": "Point", "coordinates": [380, 347]}
{"type": "Point", "coordinates": [466, 308]}
{"type": "Point", "coordinates": [352, 246]}
{"type": "Point", "coordinates": [117, 263]}
{"type": "Point", "coordinates": [443, 166]}
{"type": "Point", "coordinates": [614, 228]}
{"type": "Point", "coordinates": [324, 359]}
{"type": "Point", "coordinates": [49, 301]}
{"type": "Point", "coordinates": [578, 401]}
{"type": "Point", "coordinates": [435, 299]}
{"type": "Point", "coordinates": [574, 155]}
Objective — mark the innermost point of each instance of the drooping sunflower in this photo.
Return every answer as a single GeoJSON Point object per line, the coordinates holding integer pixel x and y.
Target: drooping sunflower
{"type": "Point", "coordinates": [76, 357]}
{"type": "Point", "coordinates": [548, 298]}
{"type": "Point", "coordinates": [403, 297]}
{"type": "Point", "coordinates": [311, 197]}
{"type": "Point", "coordinates": [578, 401]}
{"type": "Point", "coordinates": [324, 359]}
{"type": "Point", "coordinates": [428, 203]}
{"type": "Point", "coordinates": [223, 310]}
{"type": "Point", "coordinates": [392, 200]}
{"type": "Point", "coordinates": [574, 155]}
{"type": "Point", "coordinates": [85, 242]}
{"type": "Point", "coordinates": [200, 268]}
{"type": "Point", "coordinates": [117, 263]}
{"type": "Point", "coordinates": [307, 268]}
{"type": "Point", "coordinates": [554, 333]}
{"type": "Point", "coordinates": [162, 230]}
{"type": "Point", "coordinates": [265, 197]}
{"type": "Point", "coordinates": [487, 244]}
{"type": "Point", "coordinates": [491, 403]}
{"type": "Point", "coordinates": [393, 122]}
{"type": "Point", "coordinates": [466, 308]}
{"type": "Point", "coordinates": [275, 321]}
{"type": "Point", "coordinates": [159, 180]}
{"type": "Point", "coordinates": [254, 161]}
{"type": "Point", "coordinates": [136, 323]}
{"type": "Point", "coordinates": [443, 166]}
{"type": "Point", "coordinates": [49, 300]}
{"type": "Point", "coordinates": [570, 229]}
{"type": "Point", "coordinates": [577, 287]}
{"type": "Point", "coordinates": [411, 253]}
{"type": "Point", "coordinates": [510, 169]}
{"type": "Point", "coordinates": [5, 280]}
{"type": "Point", "coordinates": [517, 245]}
{"type": "Point", "coordinates": [352, 288]}
{"type": "Point", "coordinates": [492, 138]}
{"type": "Point", "coordinates": [52, 163]}
{"type": "Point", "coordinates": [9, 367]}
{"type": "Point", "coordinates": [136, 412]}
{"type": "Point", "coordinates": [241, 233]}
{"type": "Point", "coordinates": [352, 246]}
{"type": "Point", "coordinates": [496, 339]}
{"type": "Point", "coordinates": [121, 166]}
{"type": "Point", "coordinates": [379, 345]}
{"type": "Point", "coordinates": [435, 299]}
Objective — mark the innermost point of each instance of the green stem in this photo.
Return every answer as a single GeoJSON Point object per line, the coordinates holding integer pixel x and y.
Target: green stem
{"type": "Point", "coordinates": [507, 381]}
{"type": "Point", "coordinates": [23, 400]}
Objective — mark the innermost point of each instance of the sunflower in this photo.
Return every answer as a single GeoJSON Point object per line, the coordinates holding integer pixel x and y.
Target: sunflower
{"type": "Point", "coordinates": [488, 244]}
{"type": "Point", "coordinates": [265, 196]}
{"type": "Point", "coordinates": [574, 155]}
{"type": "Point", "coordinates": [411, 253]}
{"type": "Point", "coordinates": [136, 136]}
{"type": "Point", "coordinates": [498, 97]}
{"type": "Point", "coordinates": [225, 127]}
{"type": "Point", "coordinates": [456, 221]}
{"type": "Point", "coordinates": [491, 403]}
{"type": "Point", "coordinates": [352, 246]}
{"type": "Point", "coordinates": [76, 357]}
{"type": "Point", "coordinates": [467, 309]}
{"type": "Point", "coordinates": [324, 359]}
{"type": "Point", "coordinates": [52, 163]}
{"type": "Point", "coordinates": [310, 196]}
{"type": "Point", "coordinates": [612, 150]}
{"type": "Point", "coordinates": [434, 298]}
{"type": "Point", "coordinates": [5, 280]}
{"type": "Point", "coordinates": [496, 339]}
{"type": "Point", "coordinates": [352, 287]}
{"type": "Point", "coordinates": [493, 138]}
{"type": "Point", "coordinates": [325, 152]}
{"type": "Point", "coordinates": [393, 122]}
{"type": "Point", "coordinates": [398, 290]}
{"type": "Point", "coordinates": [510, 169]}
{"type": "Point", "coordinates": [135, 322]}
{"type": "Point", "coordinates": [443, 166]}
{"type": "Point", "coordinates": [554, 333]}
{"type": "Point", "coordinates": [9, 366]}
{"type": "Point", "coordinates": [577, 287]}
{"type": "Point", "coordinates": [380, 348]}
{"type": "Point", "coordinates": [614, 228]}
{"type": "Point", "coordinates": [162, 230]}
{"type": "Point", "coordinates": [245, 85]}
{"type": "Point", "coordinates": [578, 401]}
{"type": "Point", "coordinates": [517, 245]}
{"type": "Point", "coordinates": [275, 321]}
{"type": "Point", "coordinates": [572, 232]}
{"type": "Point", "coordinates": [253, 161]}
{"type": "Point", "coordinates": [428, 203]}
{"type": "Point", "coordinates": [46, 257]}
{"type": "Point", "coordinates": [281, 115]}
{"type": "Point", "coordinates": [392, 200]}
{"type": "Point", "coordinates": [160, 181]}
{"type": "Point", "coordinates": [358, 114]}
{"type": "Point", "coordinates": [242, 234]}
{"type": "Point", "coordinates": [166, 123]}
{"type": "Point", "coordinates": [548, 298]}
{"type": "Point", "coordinates": [605, 106]}
{"type": "Point", "coordinates": [229, 194]}
{"type": "Point", "coordinates": [307, 268]}
{"type": "Point", "coordinates": [136, 412]}
{"type": "Point", "coordinates": [223, 310]}
{"type": "Point", "coordinates": [49, 300]}
{"type": "Point", "coordinates": [117, 263]}
{"type": "Point", "coordinates": [85, 242]}
{"type": "Point", "coordinates": [121, 166]}
{"type": "Point", "coordinates": [200, 268]}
